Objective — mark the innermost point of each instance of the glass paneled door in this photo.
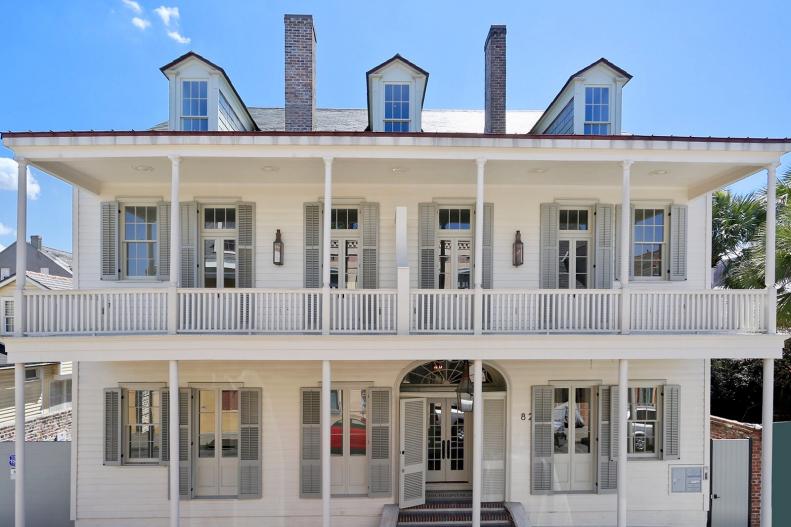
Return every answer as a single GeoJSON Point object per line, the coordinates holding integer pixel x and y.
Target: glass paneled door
{"type": "Point", "coordinates": [574, 248]}
{"type": "Point", "coordinates": [217, 456]}
{"type": "Point", "coordinates": [448, 436]}
{"type": "Point", "coordinates": [455, 263]}
{"type": "Point", "coordinates": [344, 263]}
{"type": "Point", "coordinates": [349, 441]}
{"type": "Point", "coordinates": [219, 262]}
{"type": "Point", "coordinates": [572, 425]}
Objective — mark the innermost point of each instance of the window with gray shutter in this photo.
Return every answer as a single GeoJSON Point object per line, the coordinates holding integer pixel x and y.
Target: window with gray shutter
{"type": "Point", "coordinates": [493, 465]}
{"type": "Point", "coordinates": [164, 429]}
{"type": "Point", "coordinates": [310, 444]}
{"type": "Point", "coordinates": [380, 478]}
{"type": "Point", "coordinates": [487, 279]}
{"type": "Point", "coordinates": [245, 266]}
{"type": "Point", "coordinates": [678, 243]}
{"type": "Point", "coordinates": [370, 243]}
{"type": "Point", "coordinates": [112, 426]}
{"type": "Point", "coordinates": [607, 479]}
{"type": "Point", "coordinates": [541, 478]}
{"type": "Point", "coordinates": [250, 443]}
{"type": "Point", "coordinates": [163, 239]}
{"type": "Point", "coordinates": [671, 414]}
{"type": "Point", "coordinates": [427, 219]}
{"type": "Point", "coordinates": [604, 246]}
{"type": "Point", "coordinates": [189, 244]}
{"type": "Point", "coordinates": [312, 245]}
{"type": "Point", "coordinates": [548, 245]}
{"type": "Point", "coordinates": [111, 266]}
{"type": "Point", "coordinates": [185, 443]}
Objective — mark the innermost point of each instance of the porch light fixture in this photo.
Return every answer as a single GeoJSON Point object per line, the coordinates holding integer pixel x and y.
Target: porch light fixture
{"type": "Point", "coordinates": [659, 172]}
{"type": "Point", "coordinates": [537, 170]}
{"type": "Point", "coordinates": [464, 391]}
{"type": "Point", "coordinates": [143, 168]}
{"type": "Point", "coordinates": [518, 250]}
{"type": "Point", "coordinates": [399, 170]}
{"type": "Point", "coordinates": [270, 168]}
{"type": "Point", "coordinates": [277, 249]}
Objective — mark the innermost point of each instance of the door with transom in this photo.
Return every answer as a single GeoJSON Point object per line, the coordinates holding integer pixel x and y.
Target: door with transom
{"type": "Point", "coordinates": [574, 248]}
{"type": "Point", "coordinates": [448, 437]}
{"type": "Point", "coordinates": [573, 458]}
{"type": "Point", "coordinates": [218, 247]}
{"type": "Point", "coordinates": [454, 255]}
{"type": "Point", "coordinates": [217, 448]}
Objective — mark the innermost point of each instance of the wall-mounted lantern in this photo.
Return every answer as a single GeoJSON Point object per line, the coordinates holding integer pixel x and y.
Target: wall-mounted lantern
{"type": "Point", "coordinates": [464, 391]}
{"type": "Point", "coordinates": [277, 249]}
{"type": "Point", "coordinates": [519, 250]}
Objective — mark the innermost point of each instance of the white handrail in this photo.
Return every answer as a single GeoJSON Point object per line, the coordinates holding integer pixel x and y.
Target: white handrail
{"type": "Point", "coordinates": [363, 311]}
{"type": "Point", "coordinates": [441, 310]}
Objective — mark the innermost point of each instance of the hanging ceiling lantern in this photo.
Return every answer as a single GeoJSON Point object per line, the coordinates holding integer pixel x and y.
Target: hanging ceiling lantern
{"type": "Point", "coordinates": [464, 391]}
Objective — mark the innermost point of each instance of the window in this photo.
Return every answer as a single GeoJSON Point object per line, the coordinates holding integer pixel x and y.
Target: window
{"type": "Point", "coordinates": [31, 374]}
{"type": "Point", "coordinates": [219, 218]}
{"type": "Point", "coordinates": [8, 317]}
{"type": "Point", "coordinates": [344, 219]}
{"type": "Point", "coordinates": [140, 241]}
{"type": "Point", "coordinates": [648, 240]}
{"type": "Point", "coordinates": [396, 108]}
{"type": "Point", "coordinates": [564, 122]}
{"type": "Point", "coordinates": [643, 421]}
{"type": "Point", "coordinates": [5, 272]}
{"type": "Point", "coordinates": [59, 392]}
{"type": "Point", "coordinates": [456, 219]}
{"type": "Point", "coordinates": [228, 118]}
{"type": "Point", "coordinates": [143, 422]}
{"type": "Point", "coordinates": [44, 270]}
{"type": "Point", "coordinates": [574, 220]}
{"type": "Point", "coordinates": [597, 110]}
{"type": "Point", "coordinates": [194, 106]}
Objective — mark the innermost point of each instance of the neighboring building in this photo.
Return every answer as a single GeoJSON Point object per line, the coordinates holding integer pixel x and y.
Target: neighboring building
{"type": "Point", "coordinates": [40, 259]}
{"type": "Point", "coordinates": [321, 286]}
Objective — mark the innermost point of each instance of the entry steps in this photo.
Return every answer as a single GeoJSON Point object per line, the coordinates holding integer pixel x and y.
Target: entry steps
{"type": "Point", "coordinates": [453, 508]}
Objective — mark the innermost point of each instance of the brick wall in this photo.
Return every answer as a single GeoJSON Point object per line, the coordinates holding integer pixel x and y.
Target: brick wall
{"type": "Point", "coordinates": [51, 427]}
{"type": "Point", "coordinates": [726, 429]}
{"type": "Point", "coordinates": [300, 73]}
{"type": "Point", "coordinates": [494, 58]}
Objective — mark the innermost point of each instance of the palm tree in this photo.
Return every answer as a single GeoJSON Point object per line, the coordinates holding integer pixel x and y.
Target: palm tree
{"type": "Point", "coordinates": [735, 220]}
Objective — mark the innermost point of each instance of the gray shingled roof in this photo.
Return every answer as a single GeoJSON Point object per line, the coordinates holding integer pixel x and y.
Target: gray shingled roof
{"type": "Point", "coordinates": [356, 120]}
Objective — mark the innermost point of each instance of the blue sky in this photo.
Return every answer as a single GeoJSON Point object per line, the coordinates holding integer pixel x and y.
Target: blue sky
{"type": "Point", "coordinates": [700, 68]}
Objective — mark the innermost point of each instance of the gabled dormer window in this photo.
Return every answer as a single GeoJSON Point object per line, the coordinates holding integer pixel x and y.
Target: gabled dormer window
{"type": "Point", "coordinates": [396, 107]}
{"type": "Point", "coordinates": [194, 106]}
{"type": "Point", "coordinates": [597, 110]}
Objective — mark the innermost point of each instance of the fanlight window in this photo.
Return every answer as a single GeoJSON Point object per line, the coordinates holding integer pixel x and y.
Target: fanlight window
{"type": "Point", "coordinates": [446, 374]}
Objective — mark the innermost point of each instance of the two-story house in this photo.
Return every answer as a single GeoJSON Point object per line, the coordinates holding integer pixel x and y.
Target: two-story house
{"type": "Point", "coordinates": [364, 309]}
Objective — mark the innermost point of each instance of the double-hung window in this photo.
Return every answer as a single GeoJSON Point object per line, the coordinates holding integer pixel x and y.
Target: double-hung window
{"type": "Point", "coordinates": [597, 110]}
{"type": "Point", "coordinates": [7, 308]}
{"type": "Point", "coordinates": [396, 107]}
{"type": "Point", "coordinates": [643, 421]}
{"type": "Point", "coordinates": [649, 240]}
{"type": "Point", "coordinates": [194, 106]}
{"type": "Point", "coordinates": [140, 241]}
{"type": "Point", "coordinates": [142, 439]}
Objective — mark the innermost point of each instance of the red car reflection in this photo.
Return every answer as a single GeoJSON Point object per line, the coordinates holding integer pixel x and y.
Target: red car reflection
{"type": "Point", "coordinates": [357, 437]}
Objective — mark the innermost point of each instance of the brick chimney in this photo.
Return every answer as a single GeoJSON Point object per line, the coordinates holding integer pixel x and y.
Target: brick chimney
{"type": "Point", "coordinates": [494, 57]}
{"type": "Point", "coordinates": [300, 73]}
{"type": "Point", "coordinates": [35, 241]}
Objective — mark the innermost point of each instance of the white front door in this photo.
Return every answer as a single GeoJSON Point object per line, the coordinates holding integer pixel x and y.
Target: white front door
{"type": "Point", "coordinates": [217, 448]}
{"type": "Point", "coordinates": [448, 434]}
{"type": "Point", "coordinates": [572, 422]}
{"type": "Point", "coordinates": [412, 476]}
{"type": "Point", "coordinates": [348, 441]}
{"type": "Point", "coordinates": [455, 263]}
{"type": "Point", "coordinates": [344, 263]}
{"type": "Point", "coordinates": [219, 262]}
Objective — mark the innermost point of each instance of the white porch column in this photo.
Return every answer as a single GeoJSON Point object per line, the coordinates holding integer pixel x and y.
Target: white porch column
{"type": "Point", "coordinates": [21, 247]}
{"type": "Point", "coordinates": [623, 397]}
{"type": "Point", "coordinates": [771, 229]}
{"type": "Point", "coordinates": [626, 212]}
{"type": "Point", "coordinates": [767, 423]}
{"type": "Point", "coordinates": [173, 441]}
{"type": "Point", "coordinates": [477, 310]}
{"type": "Point", "coordinates": [326, 476]}
{"type": "Point", "coordinates": [175, 244]}
{"type": "Point", "coordinates": [402, 264]}
{"type": "Point", "coordinates": [477, 442]}
{"type": "Point", "coordinates": [19, 443]}
{"type": "Point", "coordinates": [325, 249]}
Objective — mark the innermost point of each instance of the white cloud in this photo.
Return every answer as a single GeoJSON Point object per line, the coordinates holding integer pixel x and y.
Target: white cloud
{"type": "Point", "coordinates": [5, 230]}
{"type": "Point", "coordinates": [166, 14]}
{"type": "Point", "coordinates": [178, 37]}
{"type": "Point", "coordinates": [134, 6]}
{"type": "Point", "coordinates": [8, 176]}
{"type": "Point", "coordinates": [140, 23]}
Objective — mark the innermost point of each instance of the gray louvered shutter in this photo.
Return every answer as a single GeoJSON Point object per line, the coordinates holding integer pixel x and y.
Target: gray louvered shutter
{"type": "Point", "coordinates": [312, 234]}
{"type": "Point", "coordinates": [488, 243]}
{"type": "Point", "coordinates": [163, 240]}
{"type": "Point", "coordinates": [549, 245]}
{"type": "Point", "coordinates": [189, 244]}
{"type": "Point", "coordinates": [678, 243]}
{"type": "Point", "coordinates": [112, 426]}
{"type": "Point", "coordinates": [617, 243]}
{"type": "Point", "coordinates": [250, 443]}
{"type": "Point", "coordinates": [380, 477]}
{"type": "Point", "coordinates": [671, 425]}
{"type": "Point", "coordinates": [164, 426]}
{"type": "Point", "coordinates": [493, 466]}
{"type": "Point", "coordinates": [310, 448]}
{"type": "Point", "coordinates": [111, 262]}
{"type": "Point", "coordinates": [370, 239]}
{"type": "Point", "coordinates": [185, 443]}
{"type": "Point", "coordinates": [245, 248]}
{"type": "Point", "coordinates": [427, 220]}
{"type": "Point", "coordinates": [604, 246]}
{"type": "Point", "coordinates": [607, 478]}
{"type": "Point", "coordinates": [541, 480]}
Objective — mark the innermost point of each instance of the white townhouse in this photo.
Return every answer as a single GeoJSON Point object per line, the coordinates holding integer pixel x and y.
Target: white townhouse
{"type": "Point", "coordinates": [391, 314]}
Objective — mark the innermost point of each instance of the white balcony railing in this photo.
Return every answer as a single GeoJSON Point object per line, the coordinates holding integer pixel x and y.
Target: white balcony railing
{"type": "Point", "coordinates": [363, 311]}
{"type": "Point", "coordinates": [441, 311]}
{"type": "Point", "coordinates": [128, 311]}
{"type": "Point", "coordinates": [249, 311]}
{"type": "Point", "coordinates": [551, 311]}
{"type": "Point", "coordinates": [714, 311]}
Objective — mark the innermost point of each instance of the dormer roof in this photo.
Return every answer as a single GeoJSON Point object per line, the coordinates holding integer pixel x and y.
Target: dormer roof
{"type": "Point", "coordinates": [397, 58]}
{"type": "Point", "coordinates": [191, 55]}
